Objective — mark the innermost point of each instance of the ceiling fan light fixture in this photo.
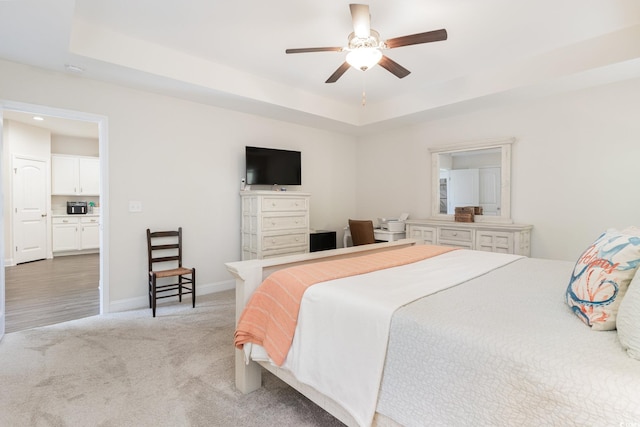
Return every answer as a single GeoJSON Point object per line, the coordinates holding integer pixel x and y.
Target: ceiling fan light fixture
{"type": "Point", "coordinates": [364, 58]}
{"type": "Point", "coordinates": [365, 46]}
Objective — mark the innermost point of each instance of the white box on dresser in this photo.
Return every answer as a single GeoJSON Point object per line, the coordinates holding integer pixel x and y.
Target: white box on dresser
{"type": "Point", "coordinates": [274, 223]}
{"type": "Point", "coordinates": [483, 236]}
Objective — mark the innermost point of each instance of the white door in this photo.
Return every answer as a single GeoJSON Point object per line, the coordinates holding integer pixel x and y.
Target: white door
{"type": "Point", "coordinates": [30, 209]}
{"type": "Point", "coordinates": [464, 188]}
{"type": "Point", "coordinates": [490, 191]}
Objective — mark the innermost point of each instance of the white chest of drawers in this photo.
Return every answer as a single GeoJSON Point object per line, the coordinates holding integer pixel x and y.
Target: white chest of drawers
{"type": "Point", "coordinates": [504, 238]}
{"type": "Point", "coordinates": [274, 223]}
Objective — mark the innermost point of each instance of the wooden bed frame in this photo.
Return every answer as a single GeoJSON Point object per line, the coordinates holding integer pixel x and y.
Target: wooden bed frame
{"type": "Point", "coordinates": [249, 275]}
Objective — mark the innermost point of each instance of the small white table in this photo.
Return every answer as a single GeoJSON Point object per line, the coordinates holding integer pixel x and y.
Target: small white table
{"type": "Point", "coordinates": [379, 234]}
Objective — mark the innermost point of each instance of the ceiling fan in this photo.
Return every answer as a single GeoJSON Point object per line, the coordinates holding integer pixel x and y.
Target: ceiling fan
{"type": "Point", "coordinates": [365, 46]}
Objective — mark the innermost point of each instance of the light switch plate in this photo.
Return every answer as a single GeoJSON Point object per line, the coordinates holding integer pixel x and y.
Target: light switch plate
{"type": "Point", "coordinates": [135, 206]}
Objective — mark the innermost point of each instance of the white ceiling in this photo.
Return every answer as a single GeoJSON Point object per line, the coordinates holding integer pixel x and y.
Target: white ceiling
{"type": "Point", "coordinates": [231, 54]}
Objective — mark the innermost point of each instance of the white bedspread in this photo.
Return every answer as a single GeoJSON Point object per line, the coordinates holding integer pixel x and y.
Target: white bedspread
{"type": "Point", "coordinates": [340, 341]}
{"type": "Point", "coordinates": [505, 350]}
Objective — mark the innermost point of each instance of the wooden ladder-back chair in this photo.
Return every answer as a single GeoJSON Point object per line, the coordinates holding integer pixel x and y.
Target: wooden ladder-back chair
{"type": "Point", "coordinates": [166, 247]}
{"type": "Point", "coordinates": [361, 232]}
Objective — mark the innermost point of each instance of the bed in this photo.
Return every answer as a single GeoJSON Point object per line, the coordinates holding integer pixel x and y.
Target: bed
{"type": "Point", "coordinates": [492, 343]}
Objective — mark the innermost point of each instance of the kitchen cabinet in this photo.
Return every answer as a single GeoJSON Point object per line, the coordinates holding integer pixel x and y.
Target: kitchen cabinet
{"type": "Point", "coordinates": [89, 233]}
{"type": "Point", "coordinates": [482, 236]}
{"type": "Point", "coordinates": [75, 234]}
{"type": "Point", "coordinates": [65, 232]}
{"type": "Point", "coordinates": [75, 175]}
{"type": "Point", "coordinates": [274, 223]}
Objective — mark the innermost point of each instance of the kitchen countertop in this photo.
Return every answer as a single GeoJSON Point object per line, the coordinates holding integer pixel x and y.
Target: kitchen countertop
{"type": "Point", "coordinates": [64, 215]}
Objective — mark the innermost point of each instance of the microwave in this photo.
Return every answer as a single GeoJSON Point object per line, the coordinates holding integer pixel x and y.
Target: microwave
{"type": "Point", "coordinates": [74, 208]}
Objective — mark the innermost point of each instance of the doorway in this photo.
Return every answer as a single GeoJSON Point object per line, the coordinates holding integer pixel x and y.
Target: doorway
{"type": "Point", "coordinates": [8, 108]}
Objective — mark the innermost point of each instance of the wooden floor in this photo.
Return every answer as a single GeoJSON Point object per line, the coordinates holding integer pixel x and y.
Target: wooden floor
{"type": "Point", "coordinates": [51, 291]}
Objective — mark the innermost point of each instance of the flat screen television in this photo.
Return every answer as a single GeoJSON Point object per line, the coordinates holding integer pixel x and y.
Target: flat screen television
{"type": "Point", "coordinates": [270, 166]}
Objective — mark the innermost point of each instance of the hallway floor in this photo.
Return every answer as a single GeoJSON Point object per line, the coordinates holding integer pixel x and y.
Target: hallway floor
{"type": "Point", "coordinates": [51, 291]}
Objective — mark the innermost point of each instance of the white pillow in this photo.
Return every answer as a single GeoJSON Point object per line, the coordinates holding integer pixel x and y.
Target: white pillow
{"type": "Point", "coordinates": [601, 277]}
{"type": "Point", "coordinates": [628, 320]}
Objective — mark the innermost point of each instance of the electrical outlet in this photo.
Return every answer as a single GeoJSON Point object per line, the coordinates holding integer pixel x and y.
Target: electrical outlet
{"type": "Point", "coordinates": [135, 206]}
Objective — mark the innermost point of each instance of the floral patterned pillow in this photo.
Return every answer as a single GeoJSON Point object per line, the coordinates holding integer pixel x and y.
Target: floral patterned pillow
{"type": "Point", "coordinates": [601, 277]}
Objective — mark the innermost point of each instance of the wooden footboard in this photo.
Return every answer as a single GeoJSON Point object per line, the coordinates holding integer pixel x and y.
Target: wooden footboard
{"type": "Point", "coordinates": [250, 274]}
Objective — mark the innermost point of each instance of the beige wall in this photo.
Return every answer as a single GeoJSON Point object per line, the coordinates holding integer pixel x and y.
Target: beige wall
{"type": "Point", "coordinates": [574, 168]}
{"type": "Point", "coordinates": [184, 162]}
{"type": "Point", "coordinates": [78, 146]}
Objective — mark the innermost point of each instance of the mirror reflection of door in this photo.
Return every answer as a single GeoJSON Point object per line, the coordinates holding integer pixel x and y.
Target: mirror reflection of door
{"type": "Point", "coordinates": [490, 191]}
{"type": "Point", "coordinates": [464, 188]}
{"type": "Point", "coordinates": [30, 202]}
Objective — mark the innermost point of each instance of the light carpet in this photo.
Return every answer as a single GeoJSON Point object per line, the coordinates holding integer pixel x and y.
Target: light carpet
{"type": "Point", "coordinates": [130, 369]}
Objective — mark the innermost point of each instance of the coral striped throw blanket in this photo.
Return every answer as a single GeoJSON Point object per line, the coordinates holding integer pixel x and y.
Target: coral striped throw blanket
{"type": "Point", "coordinates": [271, 315]}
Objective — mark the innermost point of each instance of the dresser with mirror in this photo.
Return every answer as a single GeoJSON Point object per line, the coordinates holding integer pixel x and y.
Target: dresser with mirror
{"type": "Point", "coordinates": [472, 174]}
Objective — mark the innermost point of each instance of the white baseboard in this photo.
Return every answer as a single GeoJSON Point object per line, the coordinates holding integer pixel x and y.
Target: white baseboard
{"type": "Point", "coordinates": [143, 301]}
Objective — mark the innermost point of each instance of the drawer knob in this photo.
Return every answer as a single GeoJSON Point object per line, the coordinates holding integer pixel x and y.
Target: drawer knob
{"type": "Point", "coordinates": [455, 234]}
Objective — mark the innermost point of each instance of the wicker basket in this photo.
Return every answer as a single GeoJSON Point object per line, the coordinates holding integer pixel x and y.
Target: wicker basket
{"type": "Point", "coordinates": [465, 214]}
{"type": "Point", "coordinates": [464, 217]}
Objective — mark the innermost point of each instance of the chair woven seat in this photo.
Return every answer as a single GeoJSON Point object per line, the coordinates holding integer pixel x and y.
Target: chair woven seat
{"type": "Point", "coordinates": [173, 272]}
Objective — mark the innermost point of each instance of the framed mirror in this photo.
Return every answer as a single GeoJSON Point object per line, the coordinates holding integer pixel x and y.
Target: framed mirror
{"type": "Point", "coordinates": [472, 174]}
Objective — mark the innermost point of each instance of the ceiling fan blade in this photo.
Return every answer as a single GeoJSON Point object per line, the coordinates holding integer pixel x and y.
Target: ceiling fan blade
{"type": "Point", "coordinates": [314, 49]}
{"type": "Point", "coordinates": [361, 20]}
{"type": "Point", "coordinates": [338, 73]}
{"type": "Point", "coordinates": [428, 37]}
{"type": "Point", "coordinates": [393, 67]}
